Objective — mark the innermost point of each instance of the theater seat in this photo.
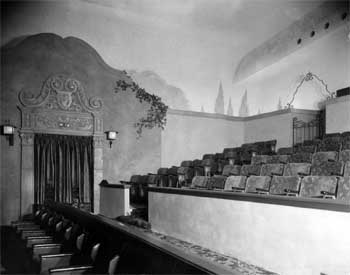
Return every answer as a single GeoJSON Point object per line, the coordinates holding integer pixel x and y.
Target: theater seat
{"type": "Point", "coordinates": [297, 169]}
{"type": "Point", "coordinates": [232, 155]}
{"type": "Point", "coordinates": [185, 175]}
{"type": "Point", "coordinates": [201, 182]}
{"type": "Point", "coordinates": [235, 183]}
{"type": "Point", "coordinates": [301, 157]}
{"type": "Point", "coordinates": [233, 170]}
{"type": "Point", "coordinates": [163, 177]}
{"type": "Point", "coordinates": [327, 168]}
{"type": "Point", "coordinates": [343, 192]}
{"type": "Point", "coordinates": [278, 159]}
{"type": "Point", "coordinates": [198, 167]}
{"type": "Point", "coordinates": [210, 167]}
{"type": "Point", "coordinates": [250, 169]}
{"type": "Point", "coordinates": [285, 151]}
{"type": "Point", "coordinates": [258, 184]}
{"type": "Point", "coordinates": [172, 176]}
{"type": "Point", "coordinates": [347, 169]}
{"type": "Point", "coordinates": [344, 155]}
{"type": "Point", "coordinates": [273, 169]}
{"type": "Point", "coordinates": [285, 185]}
{"type": "Point", "coordinates": [330, 143]}
{"type": "Point", "coordinates": [306, 149]}
{"type": "Point", "coordinates": [260, 159]}
{"type": "Point", "coordinates": [318, 187]}
{"type": "Point", "coordinates": [187, 163]}
{"type": "Point", "coordinates": [320, 157]}
{"type": "Point", "coordinates": [217, 182]}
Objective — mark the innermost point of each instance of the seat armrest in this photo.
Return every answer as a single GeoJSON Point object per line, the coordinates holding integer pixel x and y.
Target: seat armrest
{"type": "Point", "coordinates": [39, 249]}
{"type": "Point", "coordinates": [238, 189]}
{"type": "Point", "coordinates": [54, 261]}
{"type": "Point", "coordinates": [71, 270]}
{"type": "Point", "coordinates": [262, 191]}
{"type": "Point", "coordinates": [328, 195]}
{"type": "Point", "coordinates": [125, 182]}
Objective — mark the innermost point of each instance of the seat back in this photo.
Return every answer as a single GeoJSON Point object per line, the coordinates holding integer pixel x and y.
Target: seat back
{"type": "Point", "coordinates": [318, 186]}
{"type": "Point", "coordinates": [260, 159]}
{"type": "Point", "coordinates": [297, 169]}
{"type": "Point", "coordinates": [231, 170]}
{"type": "Point", "coordinates": [272, 169]}
{"type": "Point", "coordinates": [301, 157]}
{"type": "Point", "coordinates": [343, 192]}
{"type": "Point", "coordinates": [320, 157]}
{"type": "Point", "coordinates": [235, 183]}
{"type": "Point", "coordinates": [330, 143]}
{"type": "Point", "coordinates": [278, 159]}
{"type": "Point", "coordinates": [112, 266]}
{"type": "Point", "coordinates": [327, 168]}
{"type": "Point", "coordinates": [258, 184]}
{"type": "Point", "coordinates": [251, 169]}
{"type": "Point", "coordinates": [200, 182]}
{"type": "Point", "coordinates": [285, 151]}
{"type": "Point", "coordinates": [344, 155]}
{"type": "Point", "coordinates": [217, 182]}
{"type": "Point", "coordinates": [285, 185]}
{"type": "Point", "coordinates": [187, 163]}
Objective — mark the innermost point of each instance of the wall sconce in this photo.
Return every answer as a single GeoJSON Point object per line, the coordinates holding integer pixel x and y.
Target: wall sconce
{"type": "Point", "coordinates": [111, 135]}
{"type": "Point", "coordinates": [8, 130]}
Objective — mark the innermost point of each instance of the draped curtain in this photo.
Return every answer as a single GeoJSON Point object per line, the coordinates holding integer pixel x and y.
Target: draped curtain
{"type": "Point", "coordinates": [63, 169]}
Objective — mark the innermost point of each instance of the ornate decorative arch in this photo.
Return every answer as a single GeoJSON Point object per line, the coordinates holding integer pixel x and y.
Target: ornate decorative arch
{"type": "Point", "coordinates": [61, 107]}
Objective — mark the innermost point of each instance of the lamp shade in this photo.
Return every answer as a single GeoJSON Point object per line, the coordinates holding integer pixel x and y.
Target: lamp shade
{"type": "Point", "coordinates": [111, 135]}
{"type": "Point", "coordinates": [8, 129]}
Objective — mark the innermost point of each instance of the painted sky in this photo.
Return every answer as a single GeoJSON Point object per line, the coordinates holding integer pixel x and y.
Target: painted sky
{"type": "Point", "coordinates": [192, 44]}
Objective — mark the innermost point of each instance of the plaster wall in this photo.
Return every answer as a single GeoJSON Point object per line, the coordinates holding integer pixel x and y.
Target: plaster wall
{"type": "Point", "coordinates": [284, 239]}
{"type": "Point", "coordinates": [26, 65]}
{"type": "Point", "coordinates": [189, 135]}
{"type": "Point", "coordinates": [328, 57]}
{"type": "Point", "coordinates": [262, 128]}
{"type": "Point", "coordinates": [338, 115]}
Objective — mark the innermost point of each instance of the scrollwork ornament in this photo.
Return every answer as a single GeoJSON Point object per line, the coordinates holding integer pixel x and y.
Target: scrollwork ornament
{"type": "Point", "coordinates": [27, 139]}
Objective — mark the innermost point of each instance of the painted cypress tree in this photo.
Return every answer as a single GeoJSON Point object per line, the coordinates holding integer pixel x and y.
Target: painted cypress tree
{"type": "Point", "coordinates": [219, 103]}
{"type": "Point", "coordinates": [244, 109]}
{"type": "Point", "coordinates": [229, 108]}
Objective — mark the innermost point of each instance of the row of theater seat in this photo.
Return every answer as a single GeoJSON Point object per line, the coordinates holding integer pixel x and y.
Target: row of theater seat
{"type": "Point", "coordinates": [254, 159]}
{"type": "Point", "coordinates": [57, 245]}
{"type": "Point", "coordinates": [331, 142]}
{"type": "Point", "coordinates": [308, 186]}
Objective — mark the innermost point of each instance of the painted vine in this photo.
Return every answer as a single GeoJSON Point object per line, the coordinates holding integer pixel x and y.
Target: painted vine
{"type": "Point", "coordinates": [156, 114]}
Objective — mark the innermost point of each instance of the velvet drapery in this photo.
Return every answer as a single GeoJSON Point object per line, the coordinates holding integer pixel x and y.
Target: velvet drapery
{"type": "Point", "coordinates": [63, 169]}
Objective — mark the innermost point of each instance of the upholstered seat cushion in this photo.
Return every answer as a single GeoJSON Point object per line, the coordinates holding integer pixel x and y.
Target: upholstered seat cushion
{"type": "Point", "coordinates": [282, 185]}
{"type": "Point", "coordinates": [318, 186]}
{"type": "Point", "coordinates": [272, 169]}
{"type": "Point", "coordinates": [330, 144]}
{"type": "Point", "coordinates": [258, 184]}
{"type": "Point", "coordinates": [297, 169]}
{"type": "Point", "coordinates": [235, 183]}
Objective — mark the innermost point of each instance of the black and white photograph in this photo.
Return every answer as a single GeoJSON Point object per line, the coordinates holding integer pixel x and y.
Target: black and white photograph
{"type": "Point", "coordinates": [175, 137]}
